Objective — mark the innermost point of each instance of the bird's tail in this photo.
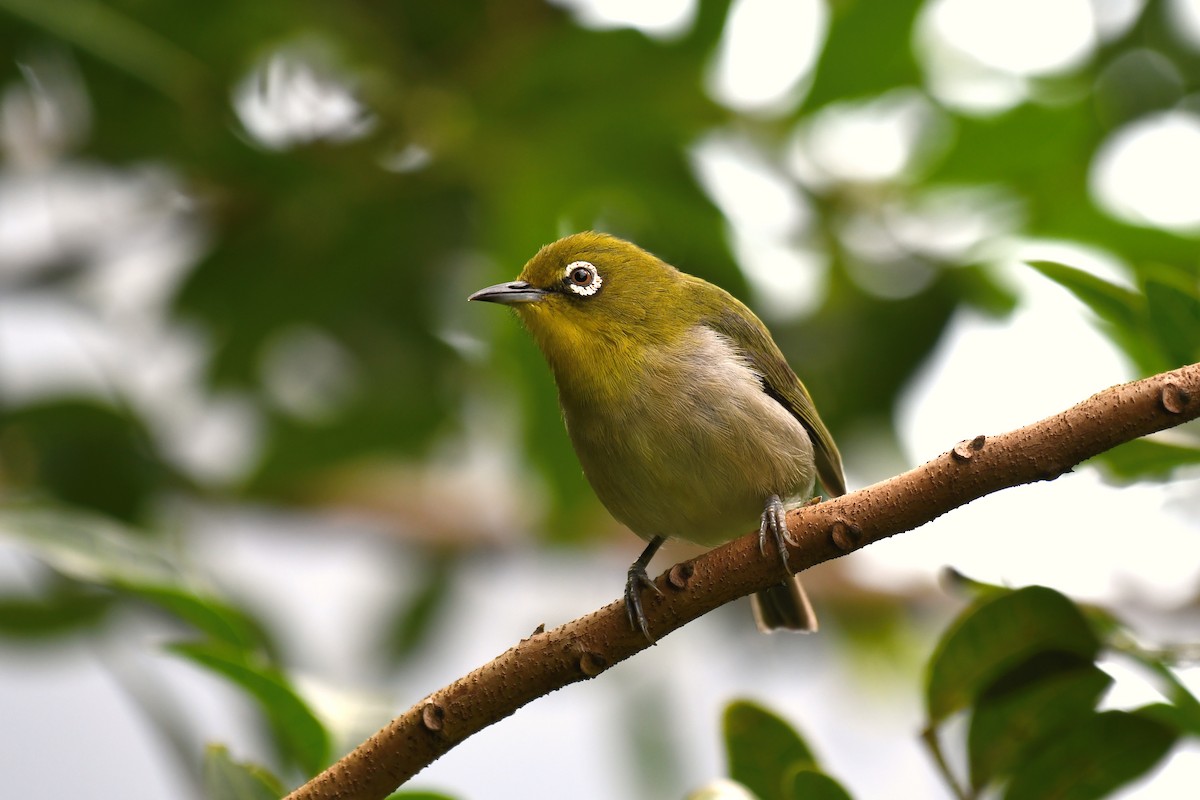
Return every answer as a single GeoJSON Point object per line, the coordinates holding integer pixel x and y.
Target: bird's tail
{"type": "Point", "coordinates": [784, 606]}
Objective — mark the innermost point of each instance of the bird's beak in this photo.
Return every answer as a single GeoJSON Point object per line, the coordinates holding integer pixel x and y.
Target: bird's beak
{"type": "Point", "coordinates": [509, 294]}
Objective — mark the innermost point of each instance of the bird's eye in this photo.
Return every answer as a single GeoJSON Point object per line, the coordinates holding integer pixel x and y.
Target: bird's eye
{"type": "Point", "coordinates": [582, 278]}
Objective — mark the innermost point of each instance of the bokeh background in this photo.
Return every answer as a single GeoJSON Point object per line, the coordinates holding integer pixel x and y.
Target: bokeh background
{"type": "Point", "coordinates": [242, 392]}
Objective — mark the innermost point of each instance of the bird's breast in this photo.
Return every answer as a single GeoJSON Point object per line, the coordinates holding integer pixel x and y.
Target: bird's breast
{"type": "Point", "coordinates": [691, 446]}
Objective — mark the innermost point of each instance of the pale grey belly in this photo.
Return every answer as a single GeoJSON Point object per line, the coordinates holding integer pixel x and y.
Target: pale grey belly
{"type": "Point", "coordinates": [699, 466]}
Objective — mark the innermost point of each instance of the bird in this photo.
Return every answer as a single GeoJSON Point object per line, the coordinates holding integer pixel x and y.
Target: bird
{"type": "Point", "coordinates": [686, 418]}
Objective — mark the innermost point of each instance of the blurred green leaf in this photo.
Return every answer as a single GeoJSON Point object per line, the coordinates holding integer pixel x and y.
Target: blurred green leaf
{"type": "Point", "coordinates": [417, 617]}
{"type": "Point", "coordinates": [1107, 626]}
{"type": "Point", "coordinates": [983, 290]}
{"type": "Point", "coordinates": [88, 547]}
{"type": "Point", "coordinates": [64, 609]}
{"type": "Point", "coordinates": [974, 589]}
{"type": "Point", "coordinates": [1146, 459]}
{"type": "Point", "coordinates": [301, 736]}
{"type": "Point", "coordinates": [1134, 84]}
{"type": "Point", "coordinates": [222, 621]}
{"type": "Point", "coordinates": [707, 28]}
{"type": "Point", "coordinates": [1114, 304]}
{"type": "Point", "coordinates": [1092, 757]}
{"type": "Point", "coordinates": [226, 779]}
{"type": "Point", "coordinates": [93, 549]}
{"type": "Point", "coordinates": [419, 796]}
{"type": "Point", "coordinates": [1027, 708]}
{"type": "Point", "coordinates": [1185, 713]}
{"type": "Point", "coordinates": [1122, 312]}
{"type": "Point", "coordinates": [83, 453]}
{"type": "Point", "coordinates": [1027, 149]}
{"type": "Point", "coordinates": [859, 27]}
{"type": "Point", "coordinates": [762, 749]}
{"type": "Point", "coordinates": [1175, 319]}
{"type": "Point", "coordinates": [809, 784]}
{"type": "Point", "coordinates": [996, 634]}
{"type": "Point", "coordinates": [1171, 716]}
{"type": "Point", "coordinates": [118, 39]}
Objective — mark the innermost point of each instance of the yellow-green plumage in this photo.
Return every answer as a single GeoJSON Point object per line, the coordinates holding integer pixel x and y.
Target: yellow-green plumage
{"type": "Point", "coordinates": [684, 414]}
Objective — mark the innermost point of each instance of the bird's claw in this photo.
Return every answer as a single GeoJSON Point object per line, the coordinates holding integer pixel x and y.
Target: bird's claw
{"type": "Point", "coordinates": [774, 527]}
{"type": "Point", "coordinates": [636, 581]}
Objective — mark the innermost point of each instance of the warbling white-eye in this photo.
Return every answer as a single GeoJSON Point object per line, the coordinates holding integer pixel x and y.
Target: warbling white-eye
{"type": "Point", "coordinates": [687, 419]}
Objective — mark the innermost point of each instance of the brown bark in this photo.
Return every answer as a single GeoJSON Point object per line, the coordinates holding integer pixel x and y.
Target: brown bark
{"type": "Point", "coordinates": [586, 647]}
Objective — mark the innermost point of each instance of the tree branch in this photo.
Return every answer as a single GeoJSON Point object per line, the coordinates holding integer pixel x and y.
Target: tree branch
{"type": "Point", "coordinates": [584, 648]}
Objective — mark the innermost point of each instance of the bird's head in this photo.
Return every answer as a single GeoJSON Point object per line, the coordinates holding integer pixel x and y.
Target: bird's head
{"type": "Point", "coordinates": [591, 291]}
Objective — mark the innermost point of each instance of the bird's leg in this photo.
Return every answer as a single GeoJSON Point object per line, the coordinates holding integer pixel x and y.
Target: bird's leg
{"type": "Point", "coordinates": [774, 526]}
{"type": "Point", "coordinates": [636, 580]}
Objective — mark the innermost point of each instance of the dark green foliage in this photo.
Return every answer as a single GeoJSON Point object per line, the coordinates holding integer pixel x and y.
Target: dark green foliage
{"type": "Point", "coordinates": [82, 453]}
{"type": "Point", "coordinates": [1027, 707]}
{"type": "Point", "coordinates": [761, 748]}
{"type": "Point", "coordinates": [415, 621]}
{"type": "Point", "coordinates": [65, 608]}
{"type": "Point", "coordinates": [768, 756]}
{"type": "Point", "coordinates": [1103, 752]}
{"type": "Point", "coordinates": [998, 635]}
{"type": "Point", "coordinates": [1024, 665]}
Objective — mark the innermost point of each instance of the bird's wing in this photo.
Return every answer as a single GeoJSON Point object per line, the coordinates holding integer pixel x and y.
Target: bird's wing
{"type": "Point", "coordinates": [780, 382]}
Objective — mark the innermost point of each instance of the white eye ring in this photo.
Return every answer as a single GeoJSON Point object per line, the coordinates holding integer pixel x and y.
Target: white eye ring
{"type": "Point", "coordinates": [586, 288]}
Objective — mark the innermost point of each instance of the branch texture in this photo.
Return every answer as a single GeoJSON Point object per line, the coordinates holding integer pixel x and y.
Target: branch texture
{"type": "Point", "coordinates": [585, 647]}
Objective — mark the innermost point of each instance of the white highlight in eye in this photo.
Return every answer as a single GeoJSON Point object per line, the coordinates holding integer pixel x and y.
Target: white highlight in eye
{"type": "Point", "coordinates": [585, 289]}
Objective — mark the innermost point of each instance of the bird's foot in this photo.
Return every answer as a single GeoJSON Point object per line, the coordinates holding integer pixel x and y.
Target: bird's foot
{"type": "Point", "coordinates": [774, 527]}
{"type": "Point", "coordinates": [636, 580]}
